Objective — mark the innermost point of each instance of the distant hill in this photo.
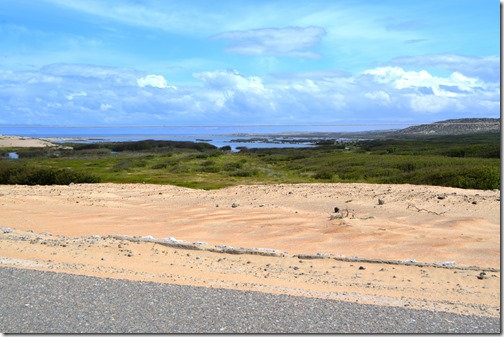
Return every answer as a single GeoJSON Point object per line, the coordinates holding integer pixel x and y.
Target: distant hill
{"type": "Point", "coordinates": [462, 126]}
{"type": "Point", "coordinates": [452, 127]}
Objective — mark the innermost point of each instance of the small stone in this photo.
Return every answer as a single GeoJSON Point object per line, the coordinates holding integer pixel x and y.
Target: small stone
{"type": "Point", "coordinates": [234, 205]}
{"type": "Point", "coordinates": [362, 268]}
{"type": "Point", "coordinates": [381, 201]}
{"type": "Point", "coordinates": [441, 197]}
{"type": "Point", "coordinates": [336, 210]}
{"type": "Point", "coordinates": [474, 202]}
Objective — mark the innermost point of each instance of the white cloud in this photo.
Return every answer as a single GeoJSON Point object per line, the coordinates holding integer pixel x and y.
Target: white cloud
{"type": "Point", "coordinates": [124, 96]}
{"type": "Point", "coordinates": [290, 41]}
{"type": "Point", "coordinates": [434, 104]}
{"type": "Point", "coordinates": [71, 96]}
{"type": "Point", "coordinates": [379, 96]}
{"type": "Point", "coordinates": [455, 85]}
{"type": "Point", "coordinates": [485, 68]}
{"type": "Point", "coordinates": [105, 107]}
{"type": "Point", "coordinates": [156, 81]}
{"type": "Point", "coordinates": [230, 79]}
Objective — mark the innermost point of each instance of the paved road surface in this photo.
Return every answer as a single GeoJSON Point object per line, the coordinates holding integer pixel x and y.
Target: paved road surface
{"type": "Point", "coordinates": [47, 302]}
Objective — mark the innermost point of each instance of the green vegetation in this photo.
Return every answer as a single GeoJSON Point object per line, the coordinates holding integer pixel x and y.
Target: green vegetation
{"type": "Point", "coordinates": [457, 161]}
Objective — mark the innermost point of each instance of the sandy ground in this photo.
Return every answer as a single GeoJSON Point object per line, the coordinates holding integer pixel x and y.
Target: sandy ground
{"type": "Point", "coordinates": [17, 141]}
{"type": "Point", "coordinates": [424, 247]}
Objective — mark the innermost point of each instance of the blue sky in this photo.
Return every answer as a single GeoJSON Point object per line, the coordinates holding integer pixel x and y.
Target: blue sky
{"type": "Point", "coordinates": [195, 62]}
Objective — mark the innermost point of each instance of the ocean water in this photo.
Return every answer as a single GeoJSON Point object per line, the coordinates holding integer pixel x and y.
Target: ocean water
{"type": "Point", "coordinates": [219, 137]}
{"type": "Point", "coordinates": [277, 136]}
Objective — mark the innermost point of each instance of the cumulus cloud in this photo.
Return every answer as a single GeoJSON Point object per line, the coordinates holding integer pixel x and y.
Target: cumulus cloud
{"type": "Point", "coordinates": [486, 68]}
{"type": "Point", "coordinates": [229, 79]}
{"type": "Point", "coordinates": [425, 83]}
{"type": "Point", "coordinates": [156, 81]}
{"type": "Point", "coordinates": [125, 97]}
{"type": "Point", "coordinates": [290, 41]}
{"type": "Point", "coordinates": [381, 97]}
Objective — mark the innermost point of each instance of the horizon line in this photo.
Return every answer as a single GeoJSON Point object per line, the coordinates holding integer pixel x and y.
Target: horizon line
{"type": "Point", "coordinates": [235, 125]}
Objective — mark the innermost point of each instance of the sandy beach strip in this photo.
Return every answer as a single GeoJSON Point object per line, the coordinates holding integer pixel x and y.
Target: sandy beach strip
{"type": "Point", "coordinates": [18, 141]}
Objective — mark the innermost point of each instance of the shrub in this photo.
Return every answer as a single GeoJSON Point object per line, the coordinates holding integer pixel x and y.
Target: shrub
{"type": "Point", "coordinates": [324, 174]}
{"type": "Point", "coordinates": [25, 175]}
{"type": "Point", "coordinates": [245, 173]}
{"type": "Point", "coordinates": [232, 166]}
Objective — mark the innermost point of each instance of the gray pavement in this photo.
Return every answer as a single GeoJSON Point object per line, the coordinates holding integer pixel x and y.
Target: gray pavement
{"type": "Point", "coordinates": [47, 302]}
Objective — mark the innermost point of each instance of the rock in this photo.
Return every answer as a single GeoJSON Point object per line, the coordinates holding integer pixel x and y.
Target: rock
{"type": "Point", "coordinates": [6, 230]}
{"type": "Point", "coordinates": [441, 197]}
{"type": "Point", "coordinates": [234, 205]}
{"type": "Point", "coordinates": [474, 202]}
{"type": "Point", "coordinates": [481, 276]}
{"type": "Point", "coordinates": [336, 210]}
{"type": "Point", "coordinates": [381, 201]}
{"type": "Point", "coordinates": [362, 268]}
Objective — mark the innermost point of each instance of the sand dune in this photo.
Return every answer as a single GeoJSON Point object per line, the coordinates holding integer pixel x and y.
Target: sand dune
{"type": "Point", "coordinates": [414, 223]}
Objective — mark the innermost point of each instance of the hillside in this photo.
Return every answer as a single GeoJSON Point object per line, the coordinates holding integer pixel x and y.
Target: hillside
{"type": "Point", "coordinates": [453, 127]}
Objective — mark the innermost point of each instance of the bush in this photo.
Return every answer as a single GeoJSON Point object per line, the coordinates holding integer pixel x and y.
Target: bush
{"type": "Point", "coordinates": [324, 174]}
{"type": "Point", "coordinates": [232, 166]}
{"type": "Point", "coordinates": [245, 173]}
{"type": "Point", "coordinates": [24, 175]}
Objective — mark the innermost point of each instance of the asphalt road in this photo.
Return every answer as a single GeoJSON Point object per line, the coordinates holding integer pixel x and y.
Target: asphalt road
{"type": "Point", "coordinates": [47, 302]}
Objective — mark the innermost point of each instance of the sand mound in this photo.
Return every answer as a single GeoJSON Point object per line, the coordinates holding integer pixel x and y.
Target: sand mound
{"type": "Point", "coordinates": [348, 224]}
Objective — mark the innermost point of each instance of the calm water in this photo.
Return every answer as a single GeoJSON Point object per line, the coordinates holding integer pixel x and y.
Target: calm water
{"type": "Point", "coordinates": [207, 135]}
{"type": "Point", "coordinates": [215, 135]}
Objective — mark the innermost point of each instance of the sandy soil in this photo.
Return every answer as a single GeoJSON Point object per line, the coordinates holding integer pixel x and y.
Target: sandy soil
{"type": "Point", "coordinates": [423, 247]}
{"type": "Point", "coordinates": [17, 141]}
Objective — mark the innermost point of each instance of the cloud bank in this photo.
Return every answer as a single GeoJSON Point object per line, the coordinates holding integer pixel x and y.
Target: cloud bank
{"type": "Point", "coordinates": [75, 94]}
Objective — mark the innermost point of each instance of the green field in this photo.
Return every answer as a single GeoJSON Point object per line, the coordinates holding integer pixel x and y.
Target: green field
{"type": "Point", "coordinates": [469, 161]}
